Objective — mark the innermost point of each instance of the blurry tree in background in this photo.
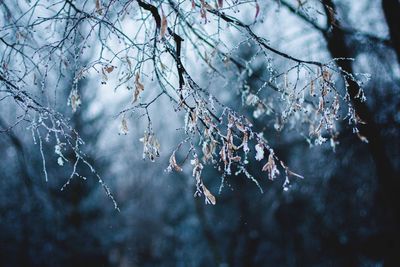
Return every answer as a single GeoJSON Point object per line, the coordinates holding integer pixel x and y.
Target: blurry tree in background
{"type": "Point", "coordinates": [67, 220]}
{"type": "Point", "coordinates": [234, 93]}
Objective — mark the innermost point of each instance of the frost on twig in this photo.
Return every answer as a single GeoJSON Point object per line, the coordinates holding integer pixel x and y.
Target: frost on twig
{"type": "Point", "coordinates": [192, 53]}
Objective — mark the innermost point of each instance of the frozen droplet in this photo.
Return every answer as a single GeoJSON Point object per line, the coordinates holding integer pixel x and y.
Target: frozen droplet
{"type": "Point", "coordinates": [60, 161]}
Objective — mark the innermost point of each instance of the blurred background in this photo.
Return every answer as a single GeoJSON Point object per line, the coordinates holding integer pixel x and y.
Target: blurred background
{"type": "Point", "coordinates": [336, 216]}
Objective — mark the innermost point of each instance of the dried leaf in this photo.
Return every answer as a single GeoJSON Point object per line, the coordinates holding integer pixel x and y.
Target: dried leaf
{"type": "Point", "coordinates": [203, 10]}
{"type": "Point", "coordinates": [109, 69]}
{"type": "Point", "coordinates": [321, 105]}
{"type": "Point", "coordinates": [124, 127]}
{"type": "Point", "coordinates": [221, 3]}
{"type": "Point", "coordinates": [312, 93]}
{"type": "Point", "coordinates": [164, 25]}
{"type": "Point", "coordinates": [210, 198]}
{"type": "Point", "coordinates": [74, 101]}
{"type": "Point", "coordinates": [173, 164]}
{"type": "Point", "coordinates": [98, 7]}
{"type": "Point", "coordinates": [222, 154]}
{"type": "Point", "coordinates": [139, 87]}
{"type": "Point", "coordinates": [326, 75]}
{"type": "Point", "coordinates": [208, 150]}
{"type": "Point", "coordinates": [151, 146]}
{"type": "Point", "coordinates": [271, 167]}
{"type": "Point", "coordinates": [257, 10]}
